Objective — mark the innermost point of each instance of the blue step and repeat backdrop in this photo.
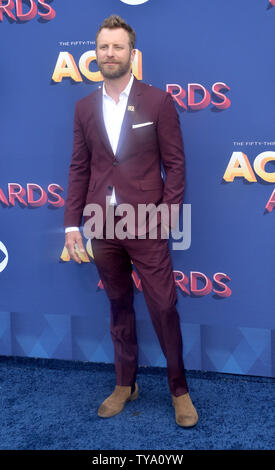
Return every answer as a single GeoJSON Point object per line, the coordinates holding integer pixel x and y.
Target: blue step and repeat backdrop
{"type": "Point", "coordinates": [216, 58]}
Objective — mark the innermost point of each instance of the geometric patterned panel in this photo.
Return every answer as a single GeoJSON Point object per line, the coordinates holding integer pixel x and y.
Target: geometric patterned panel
{"type": "Point", "coordinates": [236, 350]}
{"type": "Point", "coordinates": [5, 334]}
{"type": "Point", "coordinates": [272, 353]}
{"type": "Point", "coordinates": [47, 336]}
{"type": "Point", "coordinates": [91, 340]}
{"type": "Point", "coordinates": [248, 351]}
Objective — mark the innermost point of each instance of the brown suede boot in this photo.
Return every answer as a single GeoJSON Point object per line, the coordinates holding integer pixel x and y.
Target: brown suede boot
{"type": "Point", "coordinates": [115, 403]}
{"type": "Point", "coordinates": [185, 412]}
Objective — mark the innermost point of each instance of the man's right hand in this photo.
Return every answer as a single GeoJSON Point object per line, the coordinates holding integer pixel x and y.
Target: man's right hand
{"type": "Point", "coordinates": [74, 243]}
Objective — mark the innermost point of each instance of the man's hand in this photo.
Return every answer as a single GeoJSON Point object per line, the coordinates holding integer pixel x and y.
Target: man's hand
{"type": "Point", "coordinates": [74, 243]}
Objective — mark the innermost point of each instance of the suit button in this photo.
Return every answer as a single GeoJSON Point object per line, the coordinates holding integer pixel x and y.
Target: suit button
{"type": "Point", "coordinates": [115, 162]}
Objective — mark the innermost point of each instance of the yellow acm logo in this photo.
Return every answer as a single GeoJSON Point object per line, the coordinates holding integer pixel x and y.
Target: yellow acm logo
{"type": "Point", "coordinates": [66, 67]}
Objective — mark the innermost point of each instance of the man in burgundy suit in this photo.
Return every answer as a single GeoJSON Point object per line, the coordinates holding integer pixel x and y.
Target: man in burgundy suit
{"type": "Point", "coordinates": [124, 134]}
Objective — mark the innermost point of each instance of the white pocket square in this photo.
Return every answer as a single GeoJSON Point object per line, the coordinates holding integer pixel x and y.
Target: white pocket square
{"type": "Point", "coordinates": [134, 126]}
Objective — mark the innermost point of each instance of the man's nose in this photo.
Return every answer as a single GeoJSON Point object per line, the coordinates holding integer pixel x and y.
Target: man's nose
{"type": "Point", "coordinates": [110, 51]}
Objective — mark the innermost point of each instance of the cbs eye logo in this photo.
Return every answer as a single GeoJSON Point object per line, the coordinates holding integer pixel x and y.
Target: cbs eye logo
{"type": "Point", "coordinates": [134, 2]}
{"type": "Point", "coordinates": [3, 262]}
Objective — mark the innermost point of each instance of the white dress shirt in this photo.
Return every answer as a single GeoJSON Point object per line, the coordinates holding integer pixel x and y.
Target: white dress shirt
{"type": "Point", "coordinates": [113, 114]}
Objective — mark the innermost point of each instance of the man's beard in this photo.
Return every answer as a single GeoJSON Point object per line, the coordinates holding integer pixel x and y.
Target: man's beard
{"type": "Point", "coordinates": [119, 71]}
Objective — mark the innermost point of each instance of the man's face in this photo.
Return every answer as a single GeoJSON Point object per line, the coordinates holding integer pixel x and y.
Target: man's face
{"type": "Point", "coordinates": [113, 54]}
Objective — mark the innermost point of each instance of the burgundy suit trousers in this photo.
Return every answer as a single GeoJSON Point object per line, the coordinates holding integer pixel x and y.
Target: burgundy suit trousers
{"type": "Point", "coordinates": [153, 264]}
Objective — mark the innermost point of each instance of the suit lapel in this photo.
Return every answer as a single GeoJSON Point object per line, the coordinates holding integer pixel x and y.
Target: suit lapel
{"type": "Point", "coordinates": [100, 122]}
{"type": "Point", "coordinates": [131, 110]}
{"type": "Point", "coordinates": [132, 104]}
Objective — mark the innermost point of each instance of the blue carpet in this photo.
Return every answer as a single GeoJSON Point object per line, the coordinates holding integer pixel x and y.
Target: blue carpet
{"type": "Point", "coordinates": [51, 404]}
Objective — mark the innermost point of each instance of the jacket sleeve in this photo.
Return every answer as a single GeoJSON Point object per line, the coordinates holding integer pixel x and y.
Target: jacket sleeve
{"type": "Point", "coordinates": [79, 175]}
{"type": "Point", "coordinates": [172, 153]}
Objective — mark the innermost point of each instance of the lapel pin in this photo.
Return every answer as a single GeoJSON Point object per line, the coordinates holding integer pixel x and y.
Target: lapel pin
{"type": "Point", "coordinates": [131, 108]}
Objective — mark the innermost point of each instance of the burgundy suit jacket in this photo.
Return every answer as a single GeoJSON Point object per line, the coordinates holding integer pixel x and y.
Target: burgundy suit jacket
{"type": "Point", "coordinates": [142, 153]}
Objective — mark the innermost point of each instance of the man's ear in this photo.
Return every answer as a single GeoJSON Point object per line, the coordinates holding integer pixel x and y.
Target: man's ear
{"type": "Point", "coordinates": [133, 53]}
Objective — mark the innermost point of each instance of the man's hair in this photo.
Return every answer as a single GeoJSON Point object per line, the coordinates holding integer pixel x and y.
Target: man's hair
{"type": "Point", "coordinates": [115, 22]}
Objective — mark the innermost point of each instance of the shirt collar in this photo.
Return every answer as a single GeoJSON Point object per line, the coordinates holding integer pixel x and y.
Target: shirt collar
{"type": "Point", "coordinates": [126, 90]}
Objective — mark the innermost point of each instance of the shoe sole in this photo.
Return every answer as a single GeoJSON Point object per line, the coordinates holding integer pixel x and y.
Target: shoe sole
{"type": "Point", "coordinates": [189, 425]}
